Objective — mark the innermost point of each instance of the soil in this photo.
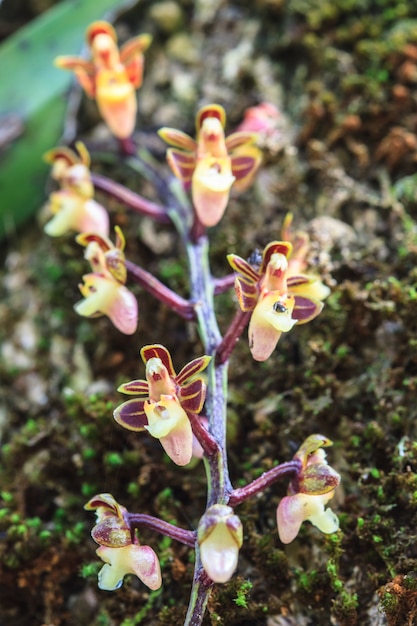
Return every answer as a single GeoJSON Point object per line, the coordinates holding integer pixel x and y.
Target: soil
{"type": "Point", "coordinates": [341, 157]}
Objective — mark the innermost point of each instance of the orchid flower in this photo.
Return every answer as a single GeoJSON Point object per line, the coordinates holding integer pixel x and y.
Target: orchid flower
{"type": "Point", "coordinates": [104, 288]}
{"type": "Point", "coordinates": [277, 298]}
{"type": "Point", "coordinates": [220, 537]}
{"type": "Point", "coordinates": [73, 206]}
{"type": "Point", "coordinates": [120, 553]}
{"type": "Point", "coordinates": [212, 163]}
{"type": "Point", "coordinates": [309, 492]}
{"type": "Point", "coordinates": [112, 76]}
{"type": "Point", "coordinates": [168, 397]}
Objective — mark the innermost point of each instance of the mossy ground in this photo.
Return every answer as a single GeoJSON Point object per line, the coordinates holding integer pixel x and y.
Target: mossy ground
{"type": "Point", "coordinates": [344, 75]}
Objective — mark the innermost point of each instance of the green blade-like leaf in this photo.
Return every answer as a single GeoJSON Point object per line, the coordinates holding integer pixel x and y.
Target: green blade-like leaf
{"type": "Point", "coordinates": [32, 94]}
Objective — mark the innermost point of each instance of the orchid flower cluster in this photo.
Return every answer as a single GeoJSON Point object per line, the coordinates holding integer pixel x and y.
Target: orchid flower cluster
{"type": "Point", "coordinates": [187, 411]}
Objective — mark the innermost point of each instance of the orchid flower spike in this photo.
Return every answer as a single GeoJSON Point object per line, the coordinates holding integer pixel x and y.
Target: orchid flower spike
{"type": "Point", "coordinates": [167, 398]}
{"type": "Point", "coordinates": [277, 298]}
{"type": "Point", "coordinates": [220, 537]}
{"type": "Point", "coordinates": [73, 206]}
{"type": "Point", "coordinates": [212, 163]}
{"type": "Point", "coordinates": [112, 75]}
{"type": "Point", "coordinates": [120, 554]}
{"type": "Point", "coordinates": [309, 492]}
{"type": "Point", "coordinates": [104, 288]}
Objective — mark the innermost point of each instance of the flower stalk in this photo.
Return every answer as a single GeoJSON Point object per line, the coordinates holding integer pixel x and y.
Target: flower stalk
{"type": "Point", "coordinates": [187, 410]}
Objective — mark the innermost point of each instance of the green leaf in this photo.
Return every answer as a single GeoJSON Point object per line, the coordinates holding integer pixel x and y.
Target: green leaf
{"type": "Point", "coordinates": [33, 100]}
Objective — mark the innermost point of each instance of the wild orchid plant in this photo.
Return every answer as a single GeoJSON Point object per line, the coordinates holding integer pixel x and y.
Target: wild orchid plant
{"type": "Point", "coordinates": [186, 411]}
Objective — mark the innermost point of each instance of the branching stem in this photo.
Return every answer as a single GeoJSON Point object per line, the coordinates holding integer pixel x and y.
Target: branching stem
{"type": "Point", "coordinates": [266, 480]}
{"type": "Point", "coordinates": [137, 520]}
{"type": "Point", "coordinates": [131, 199]}
{"type": "Point", "coordinates": [160, 291]}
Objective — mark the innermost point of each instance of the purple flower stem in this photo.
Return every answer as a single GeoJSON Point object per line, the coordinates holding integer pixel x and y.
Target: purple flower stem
{"type": "Point", "coordinates": [182, 307]}
{"type": "Point", "coordinates": [232, 335]}
{"type": "Point", "coordinates": [266, 480]}
{"type": "Point", "coordinates": [207, 442]}
{"type": "Point", "coordinates": [133, 200]}
{"type": "Point", "coordinates": [223, 284]}
{"type": "Point", "coordinates": [197, 229]}
{"type": "Point", "coordinates": [127, 146]}
{"type": "Point", "coordinates": [137, 520]}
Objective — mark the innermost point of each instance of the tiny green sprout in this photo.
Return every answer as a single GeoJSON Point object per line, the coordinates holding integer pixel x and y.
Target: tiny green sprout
{"type": "Point", "coordinates": [4, 513]}
{"type": "Point", "coordinates": [89, 453]}
{"type": "Point", "coordinates": [360, 522]}
{"type": "Point", "coordinates": [113, 459]}
{"type": "Point", "coordinates": [6, 496]}
{"type": "Point", "coordinates": [44, 535]}
{"type": "Point", "coordinates": [375, 473]}
{"type": "Point", "coordinates": [90, 570]}
{"type": "Point", "coordinates": [34, 522]}
{"type": "Point", "coordinates": [242, 594]}
{"type": "Point", "coordinates": [133, 489]}
{"type": "Point", "coordinates": [88, 490]}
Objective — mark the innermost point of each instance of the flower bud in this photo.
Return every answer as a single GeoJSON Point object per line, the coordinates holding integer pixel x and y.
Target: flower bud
{"type": "Point", "coordinates": [220, 536]}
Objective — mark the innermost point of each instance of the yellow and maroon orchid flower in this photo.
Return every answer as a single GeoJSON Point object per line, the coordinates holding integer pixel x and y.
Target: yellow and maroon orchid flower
{"type": "Point", "coordinates": [212, 163]}
{"type": "Point", "coordinates": [278, 300]}
{"type": "Point", "coordinates": [104, 288]}
{"type": "Point", "coordinates": [120, 555]}
{"type": "Point", "coordinates": [168, 398]}
{"type": "Point", "coordinates": [112, 75]}
{"type": "Point", "coordinates": [73, 206]}
{"type": "Point", "coordinates": [309, 492]}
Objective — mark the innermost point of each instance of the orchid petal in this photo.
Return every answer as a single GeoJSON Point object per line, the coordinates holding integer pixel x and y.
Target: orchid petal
{"type": "Point", "coordinates": [116, 101]}
{"type": "Point", "coordinates": [123, 311]}
{"type": "Point", "coordinates": [219, 554]}
{"type": "Point", "coordinates": [134, 559]}
{"type": "Point", "coordinates": [131, 55]}
{"type": "Point", "coordinates": [280, 247]}
{"type": "Point", "coordinates": [112, 532]}
{"type": "Point", "coordinates": [104, 502]}
{"type": "Point", "coordinates": [192, 368]}
{"type": "Point", "coordinates": [308, 287]}
{"type": "Point", "coordinates": [131, 415]}
{"type": "Point", "coordinates": [193, 395]}
{"type": "Point", "coordinates": [178, 139]}
{"type": "Point", "coordinates": [239, 139]}
{"type": "Point", "coordinates": [267, 323]}
{"type": "Point", "coordinates": [158, 351]}
{"type": "Point", "coordinates": [169, 423]}
{"type": "Point", "coordinates": [84, 72]}
{"type": "Point", "coordinates": [211, 185]}
{"type": "Point", "coordinates": [135, 387]}
{"type": "Point", "coordinates": [243, 267]}
{"type": "Point", "coordinates": [105, 296]}
{"type": "Point", "coordinates": [293, 510]}
{"type": "Point", "coordinates": [246, 293]}
{"type": "Point", "coordinates": [100, 27]}
{"type": "Point", "coordinates": [210, 110]}
{"type": "Point", "coordinates": [181, 163]}
{"type": "Point", "coordinates": [306, 309]}
{"type": "Point", "coordinates": [245, 164]}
